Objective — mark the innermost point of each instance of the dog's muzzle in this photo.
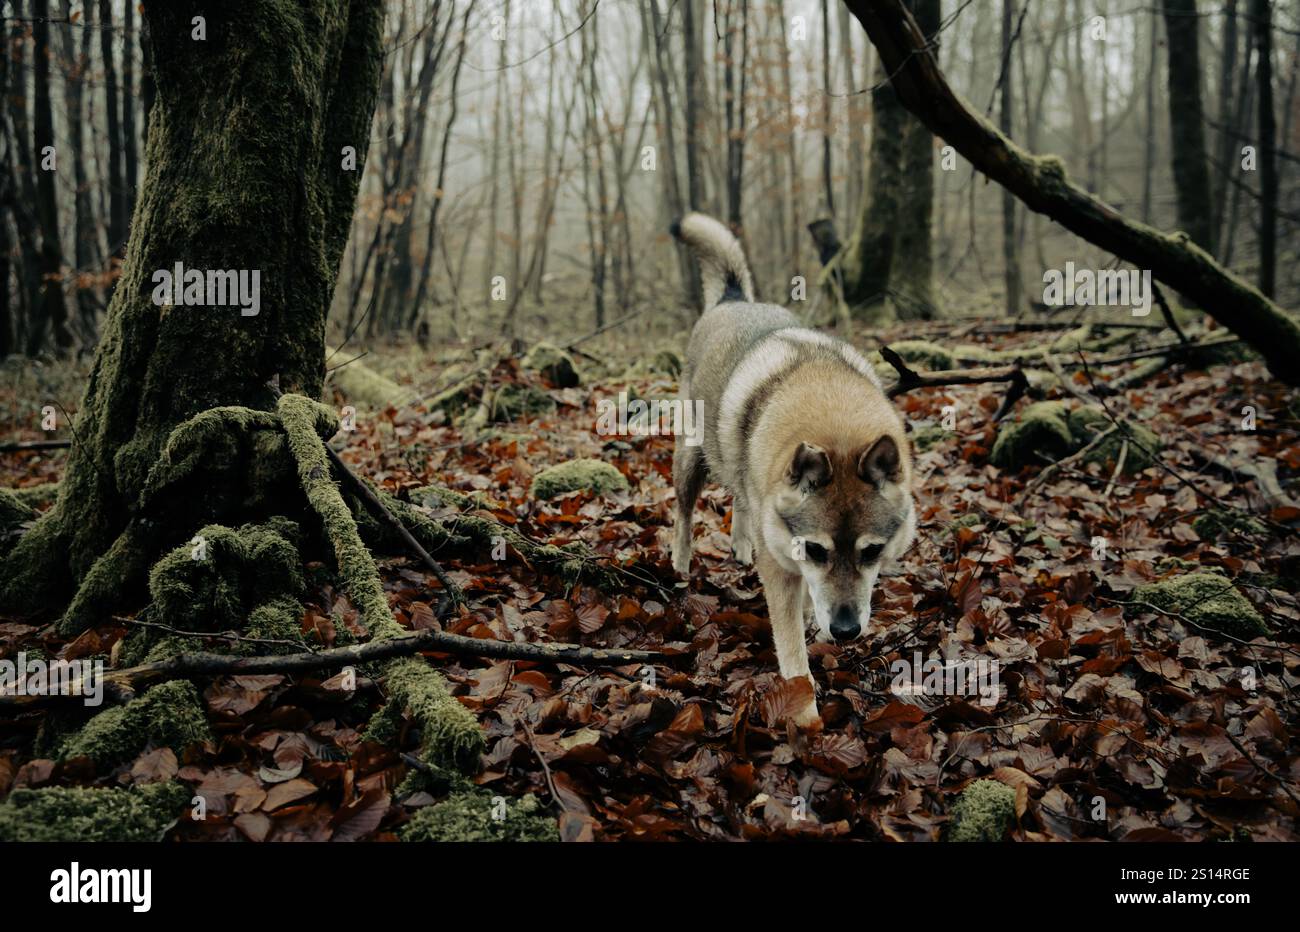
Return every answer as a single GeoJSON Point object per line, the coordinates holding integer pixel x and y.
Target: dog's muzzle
{"type": "Point", "coordinates": [844, 623]}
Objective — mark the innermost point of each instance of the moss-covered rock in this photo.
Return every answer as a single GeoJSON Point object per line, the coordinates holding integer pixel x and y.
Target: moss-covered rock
{"type": "Point", "coordinates": [14, 516]}
{"type": "Point", "coordinates": [1040, 428]}
{"type": "Point", "coordinates": [1208, 601]}
{"type": "Point", "coordinates": [472, 816]}
{"type": "Point", "coordinates": [360, 384]}
{"type": "Point", "coordinates": [554, 363]}
{"type": "Point", "coordinates": [580, 474]}
{"type": "Point", "coordinates": [514, 400]}
{"type": "Point", "coordinates": [60, 813]}
{"type": "Point", "coordinates": [984, 811]}
{"type": "Point", "coordinates": [1051, 430]}
{"type": "Point", "coordinates": [169, 715]}
{"type": "Point", "coordinates": [1216, 523]}
{"type": "Point", "coordinates": [1087, 421]}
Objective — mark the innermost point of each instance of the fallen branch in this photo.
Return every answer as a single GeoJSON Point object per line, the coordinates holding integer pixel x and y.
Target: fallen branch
{"type": "Point", "coordinates": [1041, 184]}
{"type": "Point", "coordinates": [909, 379]}
{"type": "Point", "coordinates": [20, 445]}
{"type": "Point", "coordinates": [121, 685]}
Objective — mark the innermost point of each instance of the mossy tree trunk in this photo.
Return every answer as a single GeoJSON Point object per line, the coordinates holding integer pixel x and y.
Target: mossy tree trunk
{"type": "Point", "coordinates": [888, 256]}
{"type": "Point", "coordinates": [244, 171]}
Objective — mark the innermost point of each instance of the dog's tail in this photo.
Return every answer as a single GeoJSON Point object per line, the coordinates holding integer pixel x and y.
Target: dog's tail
{"type": "Point", "coordinates": [723, 269]}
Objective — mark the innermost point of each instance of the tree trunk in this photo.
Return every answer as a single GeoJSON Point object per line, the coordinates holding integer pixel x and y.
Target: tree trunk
{"type": "Point", "coordinates": [53, 312]}
{"type": "Point", "coordinates": [1268, 186]}
{"type": "Point", "coordinates": [116, 176]}
{"type": "Point", "coordinates": [1010, 262]}
{"type": "Point", "coordinates": [242, 172]}
{"type": "Point", "coordinates": [888, 258]}
{"type": "Point", "coordinates": [84, 250]}
{"type": "Point", "coordinates": [1187, 122]}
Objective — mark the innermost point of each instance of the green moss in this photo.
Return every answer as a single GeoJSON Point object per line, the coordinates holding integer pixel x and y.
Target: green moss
{"type": "Point", "coordinates": [969, 519]}
{"type": "Point", "coordinates": [580, 474]}
{"type": "Point", "coordinates": [468, 816]}
{"type": "Point", "coordinates": [929, 436]}
{"type": "Point", "coordinates": [169, 715]}
{"type": "Point", "coordinates": [513, 401]}
{"type": "Point", "coordinates": [214, 581]}
{"type": "Point", "coordinates": [1215, 523]}
{"type": "Point", "coordinates": [1050, 430]}
{"type": "Point", "coordinates": [1088, 421]}
{"type": "Point", "coordinates": [13, 510]}
{"type": "Point", "coordinates": [59, 813]}
{"type": "Point", "coordinates": [554, 363]}
{"type": "Point", "coordinates": [984, 811]}
{"type": "Point", "coordinates": [450, 738]}
{"type": "Point", "coordinates": [37, 496]}
{"type": "Point", "coordinates": [1208, 601]}
{"type": "Point", "coordinates": [1040, 428]}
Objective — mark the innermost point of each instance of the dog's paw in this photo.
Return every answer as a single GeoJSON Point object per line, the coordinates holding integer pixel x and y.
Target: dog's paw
{"type": "Point", "coordinates": [808, 718]}
{"type": "Point", "coordinates": [682, 561]}
{"type": "Point", "coordinates": [742, 548]}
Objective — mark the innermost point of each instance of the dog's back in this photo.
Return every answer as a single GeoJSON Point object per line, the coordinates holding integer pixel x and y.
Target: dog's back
{"type": "Point", "coordinates": [741, 349]}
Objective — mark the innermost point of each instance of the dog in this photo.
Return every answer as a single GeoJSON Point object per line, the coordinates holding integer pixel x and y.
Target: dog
{"type": "Point", "coordinates": [798, 429]}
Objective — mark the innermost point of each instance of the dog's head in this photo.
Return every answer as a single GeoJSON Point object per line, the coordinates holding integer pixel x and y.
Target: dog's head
{"type": "Point", "coordinates": [835, 518]}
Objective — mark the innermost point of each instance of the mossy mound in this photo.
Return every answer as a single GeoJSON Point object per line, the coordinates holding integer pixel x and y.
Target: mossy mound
{"type": "Point", "coordinates": [472, 816]}
{"type": "Point", "coordinates": [580, 474]}
{"type": "Point", "coordinates": [1040, 428]}
{"type": "Point", "coordinates": [61, 813]}
{"type": "Point", "coordinates": [1208, 601]}
{"type": "Point", "coordinates": [554, 363]}
{"type": "Point", "coordinates": [1050, 430]}
{"type": "Point", "coordinates": [1216, 523]}
{"type": "Point", "coordinates": [513, 400]}
{"type": "Point", "coordinates": [214, 582]}
{"type": "Point", "coordinates": [169, 715]}
{"type": "Point", "coordinates": [1088, 421]}
{"type": "Point", "coordinates": [360, 384]}
{"type": "Point", "coordinates": [14, 515]}
{"type": "Point", "coordinates": [984, 812]}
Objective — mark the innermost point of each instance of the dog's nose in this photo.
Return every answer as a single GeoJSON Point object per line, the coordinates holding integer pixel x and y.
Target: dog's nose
{"type": "Point", "coordinates": [844, 624]}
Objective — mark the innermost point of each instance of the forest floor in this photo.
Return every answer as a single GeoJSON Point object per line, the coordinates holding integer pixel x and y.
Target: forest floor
{"type": "Point", "coordinates": [1185, 733]}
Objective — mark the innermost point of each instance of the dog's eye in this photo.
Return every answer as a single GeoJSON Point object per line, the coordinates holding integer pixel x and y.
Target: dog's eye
{"type": "Point", "coordinates": [871, 553]}
{"type": "Point", "coordinates": [815, 552]}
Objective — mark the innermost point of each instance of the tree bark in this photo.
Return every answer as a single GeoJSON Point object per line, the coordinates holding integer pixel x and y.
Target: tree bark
{"type": "Point", "coordinates": [1268, 185]}
{"type": "Point", "coordinates": [52, 317]}
{"type": "Point", "coordinates": [116, 175]}
{"type": "Point", "coordinates": [1187, 122]}
{"type": "Point", "coordinates": [1041, 184]}
{"type": "Point", "coordinates": [243, 172]}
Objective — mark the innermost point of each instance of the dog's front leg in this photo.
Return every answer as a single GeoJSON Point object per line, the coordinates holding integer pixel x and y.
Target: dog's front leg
{"type": "Point", "coordinates": [742, 536]}
{"type": "Point", "coordinates": [784, 591]}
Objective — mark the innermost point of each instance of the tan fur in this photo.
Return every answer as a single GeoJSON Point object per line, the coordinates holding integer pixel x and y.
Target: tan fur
{"type": "Point", "coordinates": [794, 422]}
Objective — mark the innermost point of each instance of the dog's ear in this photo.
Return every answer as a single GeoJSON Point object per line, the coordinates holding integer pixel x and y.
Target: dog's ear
{"type": "Point", "coordinates": [881, 462]}
{"type": "Point", "coordinates": [810, 468]}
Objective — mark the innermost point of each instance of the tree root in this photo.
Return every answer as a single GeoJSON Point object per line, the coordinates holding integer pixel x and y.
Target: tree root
{"type": "Point", "coordinates": [450, 735]}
